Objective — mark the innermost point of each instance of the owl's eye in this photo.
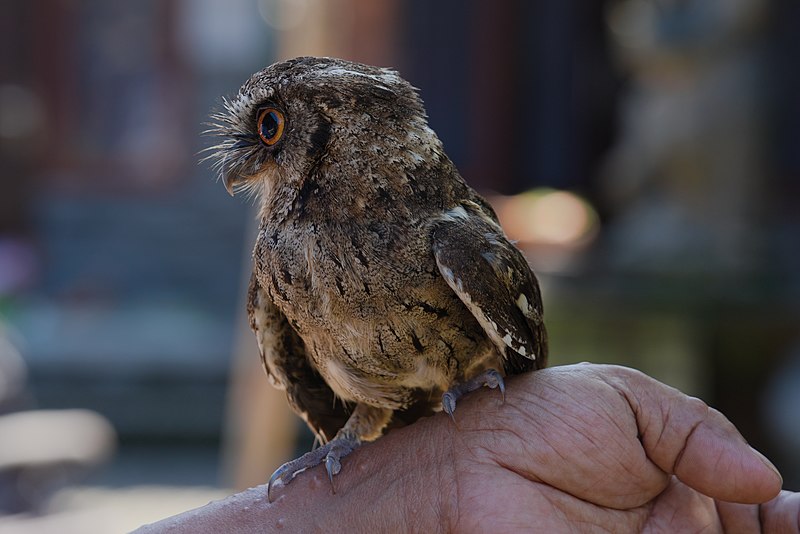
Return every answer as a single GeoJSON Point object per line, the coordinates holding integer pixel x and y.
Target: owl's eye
{"type": "Point", "coordinates": [270, 125]}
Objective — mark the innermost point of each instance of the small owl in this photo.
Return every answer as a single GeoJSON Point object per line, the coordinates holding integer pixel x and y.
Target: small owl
{"type": "Point", "coordinates": [383, 286]}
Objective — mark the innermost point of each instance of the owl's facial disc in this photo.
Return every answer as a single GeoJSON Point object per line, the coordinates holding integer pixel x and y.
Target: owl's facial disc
{"type": "Point", "coordinates": [247, 156]}
{"type": "Point", "coordinates": [295, 117]}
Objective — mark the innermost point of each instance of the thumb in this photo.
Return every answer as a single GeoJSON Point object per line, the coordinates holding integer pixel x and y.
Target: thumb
{"type": "Point", "coordinates": [696, 443]}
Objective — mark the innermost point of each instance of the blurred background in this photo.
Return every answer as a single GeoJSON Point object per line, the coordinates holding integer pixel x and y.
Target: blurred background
{"type": "Point", "coordinates": [644, 153]}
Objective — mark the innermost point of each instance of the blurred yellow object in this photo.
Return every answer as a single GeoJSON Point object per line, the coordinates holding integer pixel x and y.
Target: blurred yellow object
{"type": "Point", "coordinates": [547, 217]}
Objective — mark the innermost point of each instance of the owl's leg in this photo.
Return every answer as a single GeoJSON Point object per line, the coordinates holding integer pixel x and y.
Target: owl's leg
{"type": "Point", "coordinates": [366, 423]}
{"type": "Point", "coordinates": [490, 378]}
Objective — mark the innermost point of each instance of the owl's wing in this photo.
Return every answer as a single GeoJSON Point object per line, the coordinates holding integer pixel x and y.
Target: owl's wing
{"type": "Point", "coordinates": [494, 281]}
{"type": "Point", "coordinates": [283, 355]}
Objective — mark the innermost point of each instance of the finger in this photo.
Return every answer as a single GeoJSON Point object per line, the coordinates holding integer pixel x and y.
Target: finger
{"type": "Point", "coordinates": [738, 518]}
{"type": "Point", "coordinates": [681, 509]}
{"type": "Point", "coordinates": [683, 436]}
{"type": "Point", "coordinates": [782, 514]}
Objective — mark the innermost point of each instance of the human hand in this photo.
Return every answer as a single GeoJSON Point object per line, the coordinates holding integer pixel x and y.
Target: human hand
{"type": "Point", "coordinates": [579, 448]}
{"type": "Point", "coordinates": [589, 447]}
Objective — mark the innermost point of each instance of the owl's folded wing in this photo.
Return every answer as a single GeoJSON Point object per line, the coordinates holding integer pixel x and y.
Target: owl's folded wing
{"type": "Point", "coordinates": [494, 281]}
{"type": "Point", "coordinates": [283, 355]}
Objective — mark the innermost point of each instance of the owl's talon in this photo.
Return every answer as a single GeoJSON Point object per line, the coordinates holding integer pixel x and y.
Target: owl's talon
{"type": "Point", "coordinates": [332, 452]}
{"type": "Point", "coordinates": [493, 379]}
{"type": "Point", "coordinates": [332, 466]}
{"type": "Point", "coordinates": [277, 476]}
{"type": "Point", "coordinates": [449, 404]}
{"type": "Point", "coordinates": [489, 378]}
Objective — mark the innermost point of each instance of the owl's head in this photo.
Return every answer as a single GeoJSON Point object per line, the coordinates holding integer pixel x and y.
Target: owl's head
{"type": "Point", "coordinates": [295, 116]}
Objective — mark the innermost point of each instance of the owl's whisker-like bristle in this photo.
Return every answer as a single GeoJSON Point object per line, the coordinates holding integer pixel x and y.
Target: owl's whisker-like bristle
{"type": "Point", "coordinates": [228, 156]}
{"type": "Point", "coordinates": [217, 147]}
{"type": "Point", "coordinates": [250, 189]}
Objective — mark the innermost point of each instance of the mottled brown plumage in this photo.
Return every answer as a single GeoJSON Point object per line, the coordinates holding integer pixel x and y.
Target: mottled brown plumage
{"type": "Point", "coordinates": [381, 280]}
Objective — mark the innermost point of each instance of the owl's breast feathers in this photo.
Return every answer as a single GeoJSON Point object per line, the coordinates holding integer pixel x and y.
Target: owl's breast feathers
{"type": "Point", "coordinates": [388, 304]}
{"type": "Point", "coordinates": [376, 317]}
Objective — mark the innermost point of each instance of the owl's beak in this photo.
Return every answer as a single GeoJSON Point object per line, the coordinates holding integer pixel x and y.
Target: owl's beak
{"type": "Point", "coordinates": [230, 180]}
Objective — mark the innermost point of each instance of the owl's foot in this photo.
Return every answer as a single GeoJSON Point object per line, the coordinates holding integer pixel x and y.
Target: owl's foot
{"type": "Point", "coordinates": [331, 453]}
{"type": "Point", "coordinates": [489, 378]}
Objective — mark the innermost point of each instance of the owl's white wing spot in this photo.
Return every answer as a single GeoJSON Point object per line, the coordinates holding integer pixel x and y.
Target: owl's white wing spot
{"type": "Point", "coordinates": [492, 279]}
{"type": "Point", "coordinates": [457, 213]}
{"type": "Point", "coordinates": [523, 304]}
{"type": "Point", "coordinates": [509, 342]}
{"type": "Point", "coordinates": [500, 337]}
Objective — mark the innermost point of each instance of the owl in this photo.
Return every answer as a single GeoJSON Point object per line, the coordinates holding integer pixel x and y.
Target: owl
{"type": "Point", "coordinates": [383, 287]}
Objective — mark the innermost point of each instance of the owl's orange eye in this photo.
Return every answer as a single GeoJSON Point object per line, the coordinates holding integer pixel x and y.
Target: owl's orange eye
{"type": "Point", "coordinates": [270, 125]}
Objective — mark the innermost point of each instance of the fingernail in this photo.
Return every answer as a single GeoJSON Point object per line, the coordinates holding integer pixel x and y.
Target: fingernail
{"type": "Point", "coordinates": [768, 463]}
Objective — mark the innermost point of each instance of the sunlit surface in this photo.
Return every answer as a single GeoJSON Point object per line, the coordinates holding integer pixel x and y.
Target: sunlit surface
{"type": "Point", "coordinates": [98, 510]}
{"type": "Point", "coordinates": [51, 436]}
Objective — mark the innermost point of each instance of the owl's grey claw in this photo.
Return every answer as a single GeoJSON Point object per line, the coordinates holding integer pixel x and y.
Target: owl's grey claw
{"type": "Point", "coordinates": [490, 378]}
{"type": "Point", "coordinates": [280, 475]}
{"type": "Point", "coordinates": [332, 452]}
{"type": "Point", "coordinates": [332, 466]}
{"type": "Point", "coordinates": [449, 404]}
{"type": "Point", "coordinates": [495, 380]}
